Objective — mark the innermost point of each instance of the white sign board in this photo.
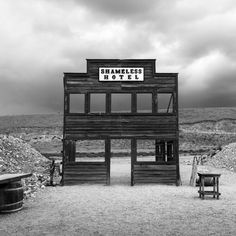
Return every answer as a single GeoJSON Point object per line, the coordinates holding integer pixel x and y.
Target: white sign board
{"type": "Point", "coordinates": [134, 74]}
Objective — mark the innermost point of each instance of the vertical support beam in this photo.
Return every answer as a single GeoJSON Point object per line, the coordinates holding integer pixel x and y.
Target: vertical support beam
{"type": "Point", "coordinates": [176, 110]}
{"type": "Point", "coordinates": [63, 159]}
{"type": "Point", "coordinates": [71, 149]}
{"type": "Point", "coordinates": [87, 103]}
{"type": "Point", "coordinates": [108, 158]}
{"type": "Point", "coordinates": [133, 158]}
{"type": "Point", "coordinates": [108, 103]}
{"type": "Point", "coordinates": [66, 103]}
{"type": "Point", "coordinates": [170, 150]}
{"type": "Point", "coordinates": [134, 103]}
{"type": "Point", "coordinates": [169, 104]}
{"type": "Point", "coordinates": [175, 103]}
{"type": "Point", "coordinates": [157, 149]}
{"type": "Point", "coordinates": [66, 111]}
{"type": "Point", "coordinates": [217, 186]}
{"type": "Point", "coordinates": [154, 101]}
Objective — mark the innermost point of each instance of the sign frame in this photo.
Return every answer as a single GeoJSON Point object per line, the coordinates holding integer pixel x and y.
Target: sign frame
{"type": "Point", "coordinates": [121, 74]}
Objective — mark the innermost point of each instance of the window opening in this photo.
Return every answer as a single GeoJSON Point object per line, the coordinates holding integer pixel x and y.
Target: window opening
{"type": "Point", "coordinates": [77, 103]}
{"type": "Point", "coordinates": [90, 151]}
{"type": "Point", "coordinates": [144, 102]}
{"type": "Point", "coordinates": [164, 150]}
{"type": "Point", "coordinates": [165, 102]}
{"type": "Point", "coordinates": [121, 103]}
{"type": "Point", "coordinates": [146, 150]}
{"type": "Point", "coordinates": [97, 102]}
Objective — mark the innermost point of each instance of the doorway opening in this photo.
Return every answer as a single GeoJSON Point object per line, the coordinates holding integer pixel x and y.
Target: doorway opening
{"type": "Point", "coordinates": [120, 162]}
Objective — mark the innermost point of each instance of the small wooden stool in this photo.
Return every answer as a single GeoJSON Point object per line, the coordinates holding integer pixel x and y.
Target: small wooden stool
{"type": "Point", "coordinates": [202, 192]}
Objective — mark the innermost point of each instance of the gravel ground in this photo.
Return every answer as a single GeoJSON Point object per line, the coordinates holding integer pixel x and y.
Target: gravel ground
{"type": "Point", "coordinates": [123, 210]}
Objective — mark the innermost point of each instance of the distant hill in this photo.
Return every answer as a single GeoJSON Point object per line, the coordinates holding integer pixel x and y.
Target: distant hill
{"type": "Point", "coordinates": [192, 115]}
{"type": "Point", "coordinates": [10, 123]}
{"type": "Point", "coordinates": [186, 115]}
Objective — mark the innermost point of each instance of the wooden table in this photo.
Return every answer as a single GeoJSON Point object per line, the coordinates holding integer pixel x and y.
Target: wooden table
{"type": "Point", "coordinates": [8, 178]}
{"type": "Point", "coordinates": [202, 192]}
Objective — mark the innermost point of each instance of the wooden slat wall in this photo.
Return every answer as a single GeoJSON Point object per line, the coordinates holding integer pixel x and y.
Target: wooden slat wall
{"type": "Point", "coordinates": [152, 173]}
{"type": "Point", "coordinates": [85, 172]}
{"type": "Point", "coordinates": [123, 125]}
{"type": "Point", "coordinates": [76, 83]}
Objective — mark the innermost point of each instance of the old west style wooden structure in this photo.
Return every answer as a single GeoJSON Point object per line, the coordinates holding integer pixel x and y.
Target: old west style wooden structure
{"type": "Point", "coordinates": [157, 124]}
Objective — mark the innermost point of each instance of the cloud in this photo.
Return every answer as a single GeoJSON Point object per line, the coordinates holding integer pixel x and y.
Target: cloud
{"type": "Point", "coordinates": [210, 81]}
{"type": "Point", "coordinates": [42, 39]}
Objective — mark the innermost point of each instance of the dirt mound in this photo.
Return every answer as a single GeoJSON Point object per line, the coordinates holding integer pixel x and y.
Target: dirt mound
{"type": "Point", "coordinates": [211, 126]}
{"type": "Point", "coordinates": [16, 156]}
{"type": "Point", "coordinates": [226, 158]}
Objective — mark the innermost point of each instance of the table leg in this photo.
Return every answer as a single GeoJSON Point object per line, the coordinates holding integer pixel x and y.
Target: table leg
{"type": "Point", "coordinates": [214, 187]}
{"type": "Point", "coordinates": [217, 186]}
{"type": "Point", "coordinates": [202, 183]}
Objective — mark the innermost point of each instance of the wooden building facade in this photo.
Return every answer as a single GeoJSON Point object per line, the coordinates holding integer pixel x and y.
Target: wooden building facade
{"type": "Point", "coordinates": [158, 124]}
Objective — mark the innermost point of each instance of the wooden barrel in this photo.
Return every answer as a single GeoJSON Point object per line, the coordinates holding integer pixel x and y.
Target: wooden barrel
{"type": "Point", "coordinates": [11, 197]}
{"type": "Point", "coordinates": [208, 181]}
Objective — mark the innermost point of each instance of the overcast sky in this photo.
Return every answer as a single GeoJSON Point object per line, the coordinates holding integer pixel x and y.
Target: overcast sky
{"type": "Point", "coordinates": [41, 39]}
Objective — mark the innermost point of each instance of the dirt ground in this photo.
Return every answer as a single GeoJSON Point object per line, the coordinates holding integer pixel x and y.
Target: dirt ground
{"type": "Point", "coordinates": [120, 209]}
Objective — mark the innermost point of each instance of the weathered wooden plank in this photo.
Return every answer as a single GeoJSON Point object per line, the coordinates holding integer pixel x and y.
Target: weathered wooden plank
{"type": "Point", "coordinates": [155, 178]}
{"type": "Point", "coordinates": [77, 182]}
{"type": "Point", "coordinates": [86, 169]}
{"type": "Point", "coordinates": [95, 180]}
{"type": "Point", "coordinates": [69, 179]}
{"type": "Point", "coordinates": [108, 159]}
{"type": "Point", "coordinates": [163, 89]}
{"type": "Point", "coordinates": [122, 116]}
{"type": "Point", "coordinates": [154, 181]}
{"type": "Point", "coordinates": [89, 164]}
{"type": "Point", "coordinates": [120, 135]}
{"type": "Point", "coordinates": [155, 173]}
{"type": "Point", "coordinates": [85, 174]}
{"type": "Point", "coordinates": [154, 167]}
{"type": "Point", "coordinates": [7, 178]}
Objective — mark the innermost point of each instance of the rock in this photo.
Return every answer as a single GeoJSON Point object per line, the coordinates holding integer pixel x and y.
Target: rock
{"type": "Point", "coordinates": [16, 156]}
{"type": "Point", "coordinates": [224, 158]}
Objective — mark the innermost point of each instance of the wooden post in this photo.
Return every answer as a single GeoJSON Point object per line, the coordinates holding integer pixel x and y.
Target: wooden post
{"type": "Point", "coordinates": [157, 149]}
{"type": "Point", "coordinates": [108, 103]}
{"type": "Point", "coordinates": [202, 184]}
{"type": "Point", "coordinates": [217, 186]}
{"type": "Point", "coordinates": [176, 143]}
{"type": "Point", "coordinates": [87, 103]}
{"type": "Point", "coordinates": [72, 151]}
{"type": "Point", "coordinates": [194, 172]}
{"type": "Point", "coordinates": [154, 102]}
{"type": "Point", "coordinates": [133, 158]}
{"type": "Point", "coordinates": [108, 158]}
{"type": "Point", "coordinates": [134, 103]}
{"type": "Point", "coordinates": [214, 186]}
